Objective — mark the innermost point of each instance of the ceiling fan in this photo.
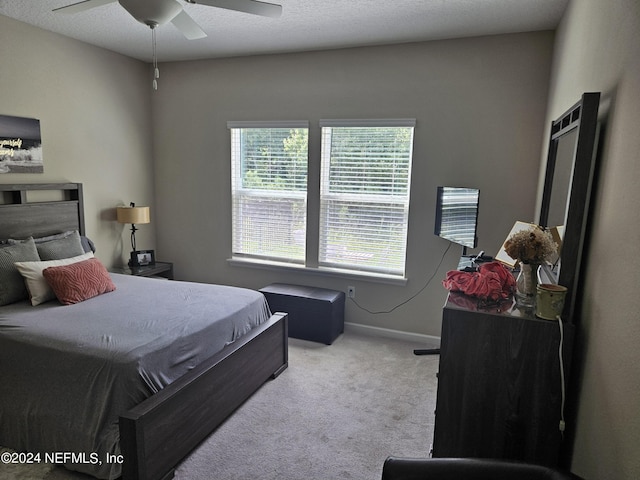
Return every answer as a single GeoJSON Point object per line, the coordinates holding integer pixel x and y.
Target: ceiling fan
{"type": "Point", "coordinates": [158, 12]}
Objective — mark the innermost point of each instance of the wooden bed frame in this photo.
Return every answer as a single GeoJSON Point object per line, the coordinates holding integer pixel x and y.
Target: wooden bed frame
{"type": "Point", "coordinates": [161, 431]}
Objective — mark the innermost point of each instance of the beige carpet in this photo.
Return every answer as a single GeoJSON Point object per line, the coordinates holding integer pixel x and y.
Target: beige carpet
{"type": "Point", "coordinates": [336, 413]}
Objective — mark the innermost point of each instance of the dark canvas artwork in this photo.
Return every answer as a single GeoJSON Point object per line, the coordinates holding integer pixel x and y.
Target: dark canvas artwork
{"type": "Point", "coordinates": [20, 145]}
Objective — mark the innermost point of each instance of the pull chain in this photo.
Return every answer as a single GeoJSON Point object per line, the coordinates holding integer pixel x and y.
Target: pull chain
{"type": "Point", "coordinates": [156, 71]}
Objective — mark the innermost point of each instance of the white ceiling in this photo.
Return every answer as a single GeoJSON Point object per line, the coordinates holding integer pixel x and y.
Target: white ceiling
{"type": "Point", "coordinates": [304, 25]}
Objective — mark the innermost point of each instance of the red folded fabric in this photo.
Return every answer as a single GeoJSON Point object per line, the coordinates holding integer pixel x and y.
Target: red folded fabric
{"type": "Point", "coordinates": [492, 281]}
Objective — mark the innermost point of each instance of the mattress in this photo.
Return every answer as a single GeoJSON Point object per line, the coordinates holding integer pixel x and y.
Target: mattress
{"type": "Point", "coordinates": [68, 372]}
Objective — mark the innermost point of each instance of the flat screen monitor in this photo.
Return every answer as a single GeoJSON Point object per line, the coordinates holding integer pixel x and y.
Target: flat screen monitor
{"type": "Point", "coordinates": [457, 215]}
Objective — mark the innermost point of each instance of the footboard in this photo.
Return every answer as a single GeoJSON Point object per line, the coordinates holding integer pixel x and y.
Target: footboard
{"type": "Point", "coordinates": [157, 434]}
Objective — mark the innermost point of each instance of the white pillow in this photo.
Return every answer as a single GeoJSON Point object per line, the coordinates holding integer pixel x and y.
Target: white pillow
{"type": "Point", "coordinates": [39, 289]}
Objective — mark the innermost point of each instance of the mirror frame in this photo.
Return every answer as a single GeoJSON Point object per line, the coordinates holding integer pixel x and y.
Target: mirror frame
{"type": "Point", "coordinates": [583, 116]}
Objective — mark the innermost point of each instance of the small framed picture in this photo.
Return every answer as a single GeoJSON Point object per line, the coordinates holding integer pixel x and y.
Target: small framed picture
{"type": "Point", "coordinates": [142, 258]}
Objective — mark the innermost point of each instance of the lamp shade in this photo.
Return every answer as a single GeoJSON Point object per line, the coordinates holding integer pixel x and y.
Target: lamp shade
{"type": "Point", "coordinates": [133, 215]}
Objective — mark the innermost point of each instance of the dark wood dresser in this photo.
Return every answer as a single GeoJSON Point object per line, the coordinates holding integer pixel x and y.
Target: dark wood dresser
{"type": "Point", "coordinates": [499, 383]}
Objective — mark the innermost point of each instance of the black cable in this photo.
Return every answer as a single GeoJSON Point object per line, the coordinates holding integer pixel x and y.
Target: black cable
{"type": "Point", "coordinates": [412, 296]}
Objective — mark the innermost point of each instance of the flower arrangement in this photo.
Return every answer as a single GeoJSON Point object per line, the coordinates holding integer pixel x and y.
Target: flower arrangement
{"type": "Point", "coordinates": [533, 245]}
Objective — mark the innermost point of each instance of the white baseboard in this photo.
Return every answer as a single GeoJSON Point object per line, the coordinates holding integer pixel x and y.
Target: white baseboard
{"type": "Point", "coordinates": [428, 341]}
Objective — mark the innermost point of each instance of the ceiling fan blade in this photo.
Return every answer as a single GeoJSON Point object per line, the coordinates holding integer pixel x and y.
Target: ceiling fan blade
{"type": "Point", "coordinates": [82, 6]}
{"type": "Point", "coordinates": [187, 25]}
{"type": "Point", "coordinates": [248, 6]}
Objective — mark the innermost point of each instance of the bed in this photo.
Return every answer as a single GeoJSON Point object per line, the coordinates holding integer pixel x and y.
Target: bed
{"type": "Point", "coordinates": [109, 380]}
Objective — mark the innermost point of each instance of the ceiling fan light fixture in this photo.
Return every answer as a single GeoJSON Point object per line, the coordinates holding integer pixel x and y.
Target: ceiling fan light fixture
{"type": "Point", "coordinates": [154, 13]}
{"type": "Point", "coordinates": [157, 12]}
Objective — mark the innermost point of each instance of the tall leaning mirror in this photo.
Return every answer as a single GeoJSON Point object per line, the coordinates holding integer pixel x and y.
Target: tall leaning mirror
{"type": "Point", "coordinates": [567, 189]}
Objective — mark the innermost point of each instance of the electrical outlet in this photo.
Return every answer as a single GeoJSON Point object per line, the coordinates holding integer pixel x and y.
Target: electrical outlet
{"type": "Point", "coordinates": [351, 291]}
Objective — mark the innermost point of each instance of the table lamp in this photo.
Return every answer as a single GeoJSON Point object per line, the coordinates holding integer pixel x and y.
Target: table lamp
{"type": "Point", "coordinates": [133, 215]}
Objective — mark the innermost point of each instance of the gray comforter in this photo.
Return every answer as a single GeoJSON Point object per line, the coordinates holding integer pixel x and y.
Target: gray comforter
{"type": "Point", "coordinates": [67, 372]}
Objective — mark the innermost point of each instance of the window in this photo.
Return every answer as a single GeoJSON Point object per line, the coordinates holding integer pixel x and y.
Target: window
{"type": "Point", "coordinates": [269, 190]}
{"type": "Point", "coordinates": [364, 194]}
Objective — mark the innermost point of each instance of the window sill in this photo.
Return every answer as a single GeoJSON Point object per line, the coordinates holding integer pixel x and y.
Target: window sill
{"type": "Point", "coordinates": [325, 271]}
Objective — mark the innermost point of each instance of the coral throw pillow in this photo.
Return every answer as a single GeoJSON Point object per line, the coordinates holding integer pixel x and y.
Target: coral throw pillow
{"type": "Point", "coordinates": [79, 281]}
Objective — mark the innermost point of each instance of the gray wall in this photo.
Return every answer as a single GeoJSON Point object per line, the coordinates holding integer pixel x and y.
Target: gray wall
{"type": "Point", "coordinates": [93, 106]}
{"type": "Point", "coordinates": [598, 49]}
{"type": "Point", "coordinates": [479, 104]}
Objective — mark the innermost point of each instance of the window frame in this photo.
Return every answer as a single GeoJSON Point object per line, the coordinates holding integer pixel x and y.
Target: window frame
{"type": "Point", "coordinates": [237, 190]}
{"type": "Point", "coordinates": [400, 201]}
{"type": "Point", "coordinates": [316, 175]}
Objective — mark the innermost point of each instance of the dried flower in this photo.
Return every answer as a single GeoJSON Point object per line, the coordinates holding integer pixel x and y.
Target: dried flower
{"type": "Point", "coordinates": [533, 245]}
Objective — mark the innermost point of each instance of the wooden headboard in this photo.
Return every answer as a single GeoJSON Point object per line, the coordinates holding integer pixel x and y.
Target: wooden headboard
{"type": "Point", "coordinates": [40, 209]}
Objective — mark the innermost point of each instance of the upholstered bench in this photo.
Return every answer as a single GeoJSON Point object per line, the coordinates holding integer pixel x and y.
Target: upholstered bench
{"type": "Point", "coordinates": [315, 314]}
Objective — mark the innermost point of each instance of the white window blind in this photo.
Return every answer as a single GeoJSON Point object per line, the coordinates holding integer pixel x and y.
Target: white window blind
{"type": "Point", "coordinates": [269, 190]}
{"type": "Point", "coordinates": [364, 194]}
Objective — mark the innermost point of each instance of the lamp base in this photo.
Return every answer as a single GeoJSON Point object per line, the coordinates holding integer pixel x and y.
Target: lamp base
{"type": "Point", "coordinates": [142, 258]}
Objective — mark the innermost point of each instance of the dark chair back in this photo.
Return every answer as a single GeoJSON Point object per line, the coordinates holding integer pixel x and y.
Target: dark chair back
{"type": "Point", "coordinates": [396, 468]}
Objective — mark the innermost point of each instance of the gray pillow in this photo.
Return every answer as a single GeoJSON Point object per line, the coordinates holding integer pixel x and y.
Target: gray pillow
{"type": "Point", "coordinates": [87, 243]}
{"type": "Point", "coordinates": [60, 247]}
{"type": "Point", "coordinates": [12, 287]}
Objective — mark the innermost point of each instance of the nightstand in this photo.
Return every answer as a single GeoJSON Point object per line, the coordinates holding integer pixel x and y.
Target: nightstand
{"type": "Point", "coordinates": [159, 269]}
